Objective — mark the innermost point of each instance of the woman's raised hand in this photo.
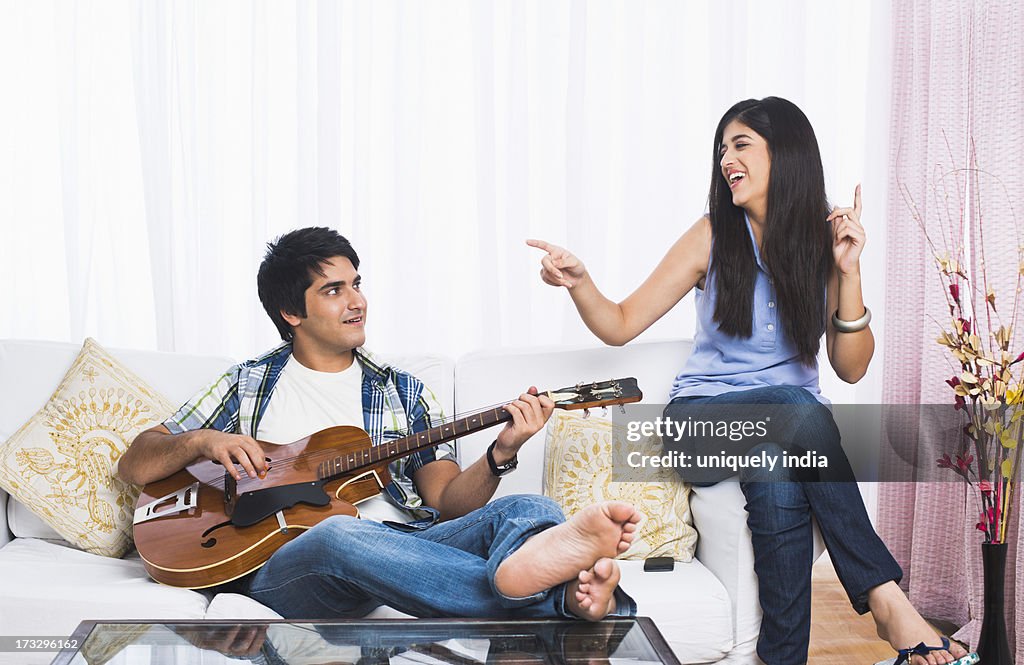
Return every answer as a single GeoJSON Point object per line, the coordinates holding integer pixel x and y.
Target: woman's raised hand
{"type": "Point", "coordinates": [559, 267]}
{"type": "Point", "coordinates": [847, 236]}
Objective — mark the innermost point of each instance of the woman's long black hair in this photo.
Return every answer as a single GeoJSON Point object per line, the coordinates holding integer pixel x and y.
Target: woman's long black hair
{"type": "Point", "coordinates": [797, 241]}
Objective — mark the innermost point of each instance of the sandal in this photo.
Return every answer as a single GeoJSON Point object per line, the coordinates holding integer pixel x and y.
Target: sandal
{"type": "Point", "coordinates": [923, 650]}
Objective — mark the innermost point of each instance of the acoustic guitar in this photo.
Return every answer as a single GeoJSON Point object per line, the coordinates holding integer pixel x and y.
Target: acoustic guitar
{"type": "Point", "coordinates": [200, 527]}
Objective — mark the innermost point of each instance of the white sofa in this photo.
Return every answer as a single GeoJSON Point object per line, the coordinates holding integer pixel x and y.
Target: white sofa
{"type": "Point", "coordinates": [706, 609]}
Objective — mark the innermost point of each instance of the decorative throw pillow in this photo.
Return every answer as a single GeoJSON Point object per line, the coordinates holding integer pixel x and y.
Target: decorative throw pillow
{"type": "Point", "coordinates": [578, 460]}
{"type": "Point", "coordinates": [62, 463]}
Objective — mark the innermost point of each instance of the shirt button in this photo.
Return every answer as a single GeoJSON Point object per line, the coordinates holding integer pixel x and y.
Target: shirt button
{"type": "Point", "coordinates": [771, 304]}
{"type": "Point", "coordinates": [771, 327]}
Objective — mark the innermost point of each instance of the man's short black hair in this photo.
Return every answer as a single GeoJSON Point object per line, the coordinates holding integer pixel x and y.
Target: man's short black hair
{"type": "Point", "coordinates": [288, 268]}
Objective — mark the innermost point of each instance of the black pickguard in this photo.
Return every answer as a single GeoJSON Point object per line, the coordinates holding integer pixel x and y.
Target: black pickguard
{"type": "Point", "coordinates": [261, 504]}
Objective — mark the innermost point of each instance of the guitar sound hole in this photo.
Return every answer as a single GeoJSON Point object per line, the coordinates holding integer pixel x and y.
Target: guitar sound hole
{"type": "Point", "coordinates": [209, 543]}
{"type": "Point", "coordinates": [211, 530]}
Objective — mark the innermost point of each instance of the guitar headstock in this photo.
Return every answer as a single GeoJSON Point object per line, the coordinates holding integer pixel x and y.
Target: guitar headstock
{"type": "Point", "coordinates": [598, 393]}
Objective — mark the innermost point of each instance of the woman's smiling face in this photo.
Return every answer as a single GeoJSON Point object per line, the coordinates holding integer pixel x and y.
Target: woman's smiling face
{"type": "Point", "coordinates": [746, 167]}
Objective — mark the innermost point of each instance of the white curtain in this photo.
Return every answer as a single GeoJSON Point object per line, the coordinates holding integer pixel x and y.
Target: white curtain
{"type": "Point", "coordinates": [148, 151]}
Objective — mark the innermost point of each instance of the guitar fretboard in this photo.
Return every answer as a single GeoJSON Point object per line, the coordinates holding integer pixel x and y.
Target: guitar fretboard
{"type": "Point", "coordinates": [398, 448]}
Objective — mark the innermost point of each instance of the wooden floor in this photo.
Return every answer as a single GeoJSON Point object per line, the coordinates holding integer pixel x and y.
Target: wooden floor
{"type": "Point", "coordinates": [838, 633]}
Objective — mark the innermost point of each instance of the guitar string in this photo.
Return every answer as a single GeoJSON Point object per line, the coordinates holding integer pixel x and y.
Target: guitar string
{"type": "Point", "coordinates": [332, 454]}
{"type": "Point", "coordinates": [446, 423]}
{"type": "Point", "coordinates": [423, 439]}
{"type": "Point", "coordinates": [465, 415]}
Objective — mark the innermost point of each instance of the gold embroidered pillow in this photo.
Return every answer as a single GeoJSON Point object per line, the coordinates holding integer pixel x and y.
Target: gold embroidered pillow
{"type": "Point", "coordinates": [62, 463]}
{"type": "Point", "coordinates": [578, 472]}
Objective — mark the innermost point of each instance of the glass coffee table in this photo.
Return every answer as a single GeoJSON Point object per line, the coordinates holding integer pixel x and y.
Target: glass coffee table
{"type": "Point", "coordinates": [369, 642]}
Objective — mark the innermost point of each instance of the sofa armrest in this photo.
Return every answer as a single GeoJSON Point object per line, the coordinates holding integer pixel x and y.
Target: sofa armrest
{"type": "Point", "coordinates": [5, 532]}
{"type": "Point", "coordinates": [723, 546]}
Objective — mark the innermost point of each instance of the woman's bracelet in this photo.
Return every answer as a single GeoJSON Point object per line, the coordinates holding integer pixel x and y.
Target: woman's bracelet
{"type": "Point", "coordinates": [851, 326]}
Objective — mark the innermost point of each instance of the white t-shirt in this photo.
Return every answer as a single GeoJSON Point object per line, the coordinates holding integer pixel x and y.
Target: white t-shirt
{"type": "Point", "coordinates": [306, 401]}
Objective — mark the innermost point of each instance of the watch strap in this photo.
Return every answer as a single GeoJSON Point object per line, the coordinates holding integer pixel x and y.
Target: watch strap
{"type": "Point", "coordinates": [504, 469]}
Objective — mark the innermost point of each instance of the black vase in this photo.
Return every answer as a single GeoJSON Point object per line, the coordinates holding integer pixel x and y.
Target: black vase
{"type": "Point", "coordinates": [993, 647]}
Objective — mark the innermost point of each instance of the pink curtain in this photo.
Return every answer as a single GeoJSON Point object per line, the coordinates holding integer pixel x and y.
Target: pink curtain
{"type": "Point", "coordinates": [958, 85]}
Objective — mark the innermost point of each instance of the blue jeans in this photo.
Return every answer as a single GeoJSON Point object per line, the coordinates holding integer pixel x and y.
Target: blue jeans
{"type": "Point", "coordinates": [345, 567]}
{"type": "Point", "coordinates": [780, 504]}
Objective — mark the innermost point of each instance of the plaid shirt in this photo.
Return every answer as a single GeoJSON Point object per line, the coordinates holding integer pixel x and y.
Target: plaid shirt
{"type": "Point", "coordinates": [395, 404]}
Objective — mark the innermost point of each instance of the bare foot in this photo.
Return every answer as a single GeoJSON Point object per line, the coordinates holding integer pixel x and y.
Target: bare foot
{"type": "Point", "coordinates": [558, 554]}
{"type": "Point", "coordinates": [591, 595]}
{"type": "Point", "coordinates": [899, 624]}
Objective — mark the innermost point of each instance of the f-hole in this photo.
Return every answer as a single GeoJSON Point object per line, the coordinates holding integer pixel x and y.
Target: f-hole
{"type": "Point", "coordinates": [211, 542]}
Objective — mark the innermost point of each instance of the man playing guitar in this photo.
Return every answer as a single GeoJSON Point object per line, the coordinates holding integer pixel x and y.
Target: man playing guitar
{"type": "Point", "coordinates": [430, 544]}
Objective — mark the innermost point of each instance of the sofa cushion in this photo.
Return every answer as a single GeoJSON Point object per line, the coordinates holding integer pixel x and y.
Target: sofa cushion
{"type": "Point", "coordinates": [689, 606]}
{"type": "Point", "coordinates": [580, 455]}
{"type": "Point", "coordinates": [23, 523]}
{"type": "Point", "coordinates": [62, 463]}
{"type": "Point", "coordinates": [53, 587]}
{"type": "Point", "coordinates": [237, 606]}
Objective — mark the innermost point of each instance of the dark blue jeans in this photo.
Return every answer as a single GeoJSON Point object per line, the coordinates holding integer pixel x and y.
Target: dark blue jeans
{"type": "Point", "coordinates": [345, 567]}
{"type": "Point", "coordinates": [780, 504]}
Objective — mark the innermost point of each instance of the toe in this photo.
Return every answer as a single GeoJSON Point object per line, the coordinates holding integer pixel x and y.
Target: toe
{"type": "Point", "coordinates": [604, 569]}
{"type": "Point", "coordinates": [621, 512]}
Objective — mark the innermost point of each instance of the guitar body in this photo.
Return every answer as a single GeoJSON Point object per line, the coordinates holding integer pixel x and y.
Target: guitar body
{"type": "Point", "coordinates": [201, 547]}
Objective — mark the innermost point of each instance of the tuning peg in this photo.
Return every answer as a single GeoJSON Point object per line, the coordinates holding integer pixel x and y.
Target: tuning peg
{"type": "Point", "coordinates": [586, 413]}
{"type": "Point", "coordinates": [622, 409]}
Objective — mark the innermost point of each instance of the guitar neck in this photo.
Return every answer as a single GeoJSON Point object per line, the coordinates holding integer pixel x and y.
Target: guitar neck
{"type": "Point", "coordinates": [580, 396]}
{"type": "Point", "coordinates": [453, 430]}
{"type": "Point", "coordinates": [399, 448]}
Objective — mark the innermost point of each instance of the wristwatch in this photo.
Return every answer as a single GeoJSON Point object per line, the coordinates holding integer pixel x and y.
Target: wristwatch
{"type": "Point", "coordinates": [506, 468]}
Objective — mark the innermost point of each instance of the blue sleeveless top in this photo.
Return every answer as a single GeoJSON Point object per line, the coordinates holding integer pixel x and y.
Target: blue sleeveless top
{"type": "Point", "coordinates": [720, 363]}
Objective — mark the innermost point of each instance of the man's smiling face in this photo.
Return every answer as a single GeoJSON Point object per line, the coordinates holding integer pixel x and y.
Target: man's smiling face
{"type": "Point", "coordinates": [335, 310]}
